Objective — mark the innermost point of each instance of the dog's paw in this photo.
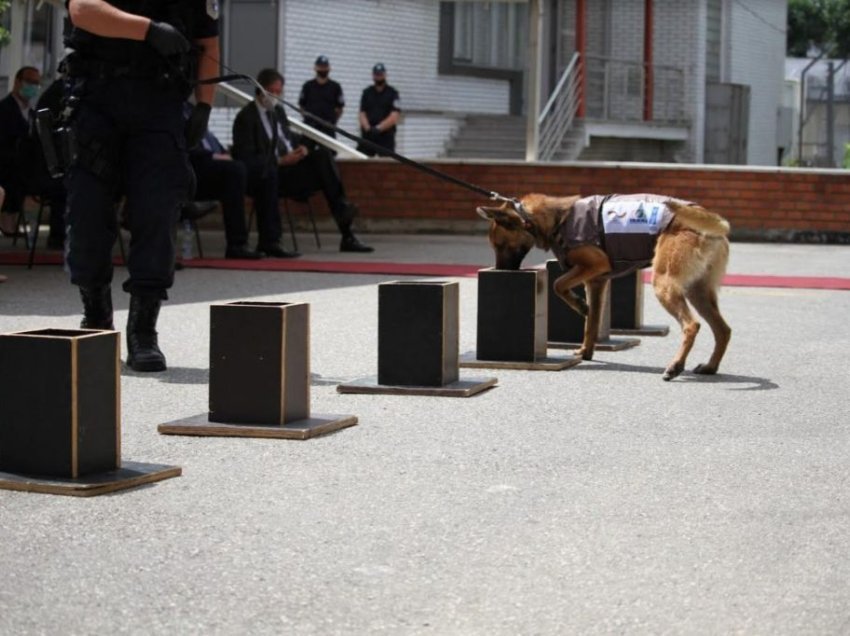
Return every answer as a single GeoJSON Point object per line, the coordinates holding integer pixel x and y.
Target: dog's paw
{"type": "Point", "coordinates": [584, 354]}
{"type": "Point", "coordinates": [704, 369]}
{"type": "Point", "coordinates": [672, 371]}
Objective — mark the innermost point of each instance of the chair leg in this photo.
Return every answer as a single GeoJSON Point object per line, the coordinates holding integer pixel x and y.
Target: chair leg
{"type": "Point", "coordinates": [313, 221]}
{"type": "Point", "coordinates": [198, 239]}
{"type": "Point", "coordinates": [121, 247]}
{"type": "Point", "coordinates": [36, 227]}
{"type": "Point", "coordinates": [21, 228]}
{"type": "Point", "coordinates": [291, 226]}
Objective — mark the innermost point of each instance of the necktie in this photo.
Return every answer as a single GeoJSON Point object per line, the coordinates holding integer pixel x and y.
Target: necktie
{"type": "Point", "coordinates": [273, 124]}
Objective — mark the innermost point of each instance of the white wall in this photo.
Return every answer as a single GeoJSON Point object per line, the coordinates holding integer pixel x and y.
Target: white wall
{"type": "Point", "coordinates": [404, 35]}
{"type": "Point", "coordinates": [757, 58]}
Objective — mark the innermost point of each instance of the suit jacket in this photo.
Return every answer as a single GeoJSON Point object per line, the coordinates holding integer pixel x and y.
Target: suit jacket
{"type": "Point", "coordinates": [13, 128]}
{"type": "Point", "coordinates": [251, 143]}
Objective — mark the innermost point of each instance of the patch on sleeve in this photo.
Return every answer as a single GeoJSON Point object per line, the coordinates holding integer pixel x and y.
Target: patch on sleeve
{"type": "Point", "coordinates": [634, 216]}
{"type": "Point", "coordinates": [213, 9]}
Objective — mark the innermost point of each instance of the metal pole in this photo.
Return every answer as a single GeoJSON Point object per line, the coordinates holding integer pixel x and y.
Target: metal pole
{"type": "Point", "coordinates": [830, 115]}
{"type": "Point", "coordinates": [802, 113]}
{"type": "Point", "coordinates": [535, 69]}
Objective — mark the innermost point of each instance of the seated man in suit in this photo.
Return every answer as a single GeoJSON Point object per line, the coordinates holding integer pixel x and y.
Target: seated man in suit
{"type": "Point", "coordinates": [221, 178]}
{"type": "Point", "coordinates": [280, 165]}
{"type": "Point", "coordinates": [22, 167]}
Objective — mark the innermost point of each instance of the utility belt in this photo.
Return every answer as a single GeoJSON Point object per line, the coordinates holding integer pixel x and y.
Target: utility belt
{"type": "Point", "coordinates": [166, 74]}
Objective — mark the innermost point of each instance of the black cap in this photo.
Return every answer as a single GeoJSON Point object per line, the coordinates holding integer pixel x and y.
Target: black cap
{"type": "Point", "coordinates": [323, 60]}
{"type": "Point", "coordinates": [379, 69]}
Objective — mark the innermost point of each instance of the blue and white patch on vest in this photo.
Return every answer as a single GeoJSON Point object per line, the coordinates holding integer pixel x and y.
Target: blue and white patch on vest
{"type": "Point", "coordinates": [213, 9]}
{"type": "Point", "coordinates": [634, 216]}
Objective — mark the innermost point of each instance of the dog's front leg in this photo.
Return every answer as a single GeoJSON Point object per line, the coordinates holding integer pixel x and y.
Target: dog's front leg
{"type": "Point", "coordinates": [589, 265]}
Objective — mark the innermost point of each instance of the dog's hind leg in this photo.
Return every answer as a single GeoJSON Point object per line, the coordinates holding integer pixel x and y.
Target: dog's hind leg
{"type": "Point", "coordinates": [704, 299]}
{"type": "Point", "coordinates": [672, 298]}
{"type": "Point", "coordinates": [594, 290]}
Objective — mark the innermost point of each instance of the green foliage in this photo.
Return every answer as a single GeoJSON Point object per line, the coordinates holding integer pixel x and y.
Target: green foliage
{"type": "Point", "coordinates": [822, 24]}
{"type": "Point", "coordinates": [4, 34]}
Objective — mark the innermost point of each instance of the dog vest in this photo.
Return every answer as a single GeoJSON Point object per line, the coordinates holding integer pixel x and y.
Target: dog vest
{"type": "Point", "coordinates": [625, 226]}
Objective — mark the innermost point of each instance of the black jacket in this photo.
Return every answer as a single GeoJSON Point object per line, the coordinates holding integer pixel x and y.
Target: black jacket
{"type": "Point", "coordinates": [251, 143]}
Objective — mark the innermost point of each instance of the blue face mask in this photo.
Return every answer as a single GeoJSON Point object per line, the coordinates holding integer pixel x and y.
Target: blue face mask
{"type": "Point", "coordinates": [29, 91]}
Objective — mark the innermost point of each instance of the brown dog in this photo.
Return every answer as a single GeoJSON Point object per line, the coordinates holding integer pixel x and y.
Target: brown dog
{"type": "Point", "coordinates": [690, 244]}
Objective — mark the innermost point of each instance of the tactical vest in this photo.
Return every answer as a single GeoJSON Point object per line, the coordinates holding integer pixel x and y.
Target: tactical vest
{"type": "Point", "coordinates": [625, 226]}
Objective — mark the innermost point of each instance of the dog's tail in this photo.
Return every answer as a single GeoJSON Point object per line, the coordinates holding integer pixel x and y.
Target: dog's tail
{"type": "Point", "coordinates": [698, 218]}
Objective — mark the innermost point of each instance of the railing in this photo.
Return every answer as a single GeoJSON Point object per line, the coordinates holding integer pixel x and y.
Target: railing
{"type": "Point", "coordinates": [242, 98]}
{"type": "Point", "coordinates": [616, 90]}
{"type": "Point", "coordinates": [558, 114]}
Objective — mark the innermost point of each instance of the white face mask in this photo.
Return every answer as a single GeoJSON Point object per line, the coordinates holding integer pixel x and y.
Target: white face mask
{"type": "Point", "coordinates": [267, 101]}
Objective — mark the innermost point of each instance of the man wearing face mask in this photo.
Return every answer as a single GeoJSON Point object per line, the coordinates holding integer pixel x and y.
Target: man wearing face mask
{"type": "Point", "coordinates": [16, 111]}
{"type": "Point", "coordinates": [380, 109]}
{"type": "Point", "coordinates": [279, 164]}
{"type": "Point", "coordinates": [322, 96]}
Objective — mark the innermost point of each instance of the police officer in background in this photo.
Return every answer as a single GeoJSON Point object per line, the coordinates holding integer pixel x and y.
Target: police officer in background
{"type": "Point", "coordinates": [131, 69]}
{"type": "Point", "coordinates": [322, 96]}
{"type": "Point", "coordinates": [380, 109]}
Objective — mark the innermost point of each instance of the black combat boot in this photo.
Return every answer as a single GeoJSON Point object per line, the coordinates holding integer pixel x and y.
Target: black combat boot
{"type": "Point", "coordinates": [97, 307]}
{"type": "Point", "coordinates": [143, 354]}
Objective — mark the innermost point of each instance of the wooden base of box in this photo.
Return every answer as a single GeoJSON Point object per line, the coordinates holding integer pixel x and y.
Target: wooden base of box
{"type": "Point", "coordinates": [462, 388]}
{"type": "Point", "coordinates": [130, 475]}
{"type": "Point", "coordinates": [549, 363]}
{"type": "Point", "coordinates": [609, 344]}
{"type": "Point", "coordinates": [313, 426]}
{"type": "Point", "coordinates": [646, 330]}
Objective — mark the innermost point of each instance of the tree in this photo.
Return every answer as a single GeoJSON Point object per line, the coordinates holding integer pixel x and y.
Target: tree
{"type": "Point", "coordinates": [4, 33]}
{"type": "Point", "coordinates": [820, 24]}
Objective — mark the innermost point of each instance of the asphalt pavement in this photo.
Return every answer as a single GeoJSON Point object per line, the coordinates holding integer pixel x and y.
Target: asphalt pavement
{"type": "Point", "coordinates": [595, 500]}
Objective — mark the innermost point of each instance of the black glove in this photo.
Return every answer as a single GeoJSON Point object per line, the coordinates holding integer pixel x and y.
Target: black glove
{"type": "Point", "coordinates": [196, 125]}
{"type": "Point", "coordinates": [166, 40]}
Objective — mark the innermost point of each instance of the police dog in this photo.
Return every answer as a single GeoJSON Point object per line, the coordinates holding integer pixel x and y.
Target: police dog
{"type": "Point", "coordinates": [688, 263]}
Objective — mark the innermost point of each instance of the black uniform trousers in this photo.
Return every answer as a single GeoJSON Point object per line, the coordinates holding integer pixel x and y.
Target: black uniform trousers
{"type": "Point", "coordinates": [131, 143]}
{"type": "Point", "coordinates": [224, 180]}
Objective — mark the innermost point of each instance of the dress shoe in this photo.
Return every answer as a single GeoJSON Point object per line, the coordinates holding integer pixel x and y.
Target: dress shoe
{"type": "Point", "coordinates": [243, 253]}
{"type": "Point", "coordinates": [351, 244]}
{"type": "Point", "coordinates": [276, 251]}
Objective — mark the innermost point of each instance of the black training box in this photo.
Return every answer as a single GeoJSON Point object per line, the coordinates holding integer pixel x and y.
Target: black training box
{"type": "Point", "coordinates": [61, 406]}
{"type": "Point", "coordinates": [627, 301]}
{"type": "Point", "coordinates": [418, 333]}
{"type": "Point", "coordinates": [565, 325]}
{"type": "Point", "coordinates": [511, 315]}
{"type": "Point", "coordinates": [259, 363]}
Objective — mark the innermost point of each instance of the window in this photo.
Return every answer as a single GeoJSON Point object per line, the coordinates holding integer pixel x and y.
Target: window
{"type": "Point", "coordinates": [488, 34]}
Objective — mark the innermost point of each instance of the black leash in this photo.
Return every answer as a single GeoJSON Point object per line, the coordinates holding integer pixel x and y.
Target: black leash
{"type": "Point", "coordinates": [365, 142]}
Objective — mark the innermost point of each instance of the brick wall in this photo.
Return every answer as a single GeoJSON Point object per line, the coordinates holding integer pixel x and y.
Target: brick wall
{"type": "Point", "coordinates": [760, 203]}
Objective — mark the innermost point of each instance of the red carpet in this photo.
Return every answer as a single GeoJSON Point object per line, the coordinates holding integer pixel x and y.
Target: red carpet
{"type": "Point", "coordinates": [426, 269]}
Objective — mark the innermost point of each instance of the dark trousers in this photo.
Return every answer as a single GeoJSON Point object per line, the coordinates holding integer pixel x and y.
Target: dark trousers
{"type": "Point", "coordinates": [318, 172]}
{"type": "Point", "coordinates": [384, 139]}
{"type": "Point", "coordinates": [130, 142]}
{"type": "Point", "coordinates": [262, 186]}
{"type": "Point", "coordinates": [224, 180]}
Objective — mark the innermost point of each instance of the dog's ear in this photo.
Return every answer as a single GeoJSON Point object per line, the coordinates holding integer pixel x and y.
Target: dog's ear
{"type": "Point", "coordinates": [503, 215]}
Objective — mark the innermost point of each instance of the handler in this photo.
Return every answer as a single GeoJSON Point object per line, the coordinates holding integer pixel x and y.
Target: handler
{"type": "Point", "coordinates": [132, 66]}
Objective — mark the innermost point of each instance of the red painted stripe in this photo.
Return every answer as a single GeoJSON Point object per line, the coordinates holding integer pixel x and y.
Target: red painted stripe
{"type": "Point", "coordinates": [429, 269]}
